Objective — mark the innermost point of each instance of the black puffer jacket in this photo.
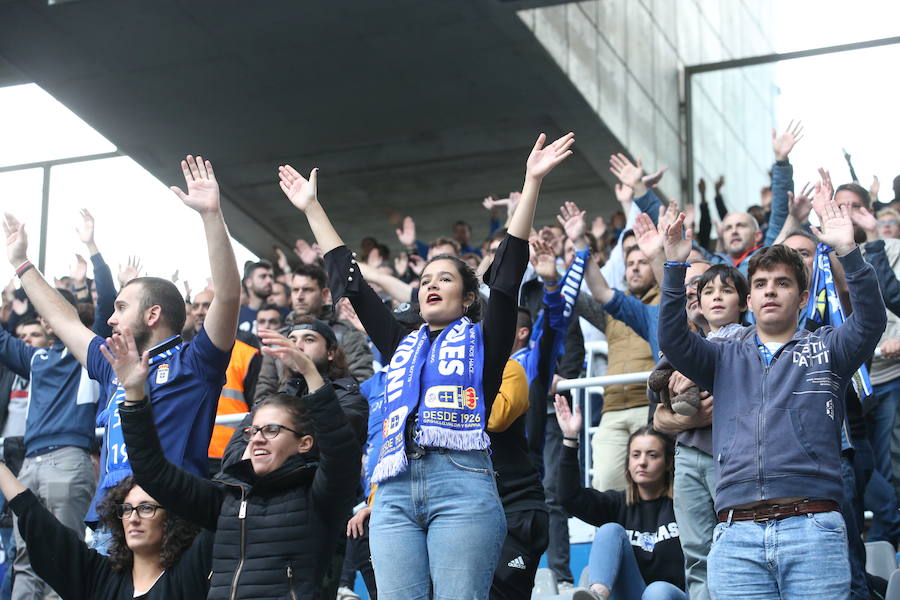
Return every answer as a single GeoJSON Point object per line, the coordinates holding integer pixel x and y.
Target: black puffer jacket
{"type": "Point", "coordinates": [275, 534]}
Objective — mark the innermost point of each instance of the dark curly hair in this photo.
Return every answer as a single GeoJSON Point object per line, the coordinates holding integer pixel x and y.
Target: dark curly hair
{"type": "Point", "coordinates": [178, 534]}
{"type": "Point", "coordinates": [469, 281]}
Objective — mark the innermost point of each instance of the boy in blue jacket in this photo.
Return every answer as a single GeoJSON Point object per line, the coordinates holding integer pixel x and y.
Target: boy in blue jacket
{"type": "Point", "coordinates": [777, 417]}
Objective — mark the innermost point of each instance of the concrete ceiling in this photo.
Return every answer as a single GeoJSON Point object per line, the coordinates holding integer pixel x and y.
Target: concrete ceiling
{"type": "Point", "coordinates": [419, 107]}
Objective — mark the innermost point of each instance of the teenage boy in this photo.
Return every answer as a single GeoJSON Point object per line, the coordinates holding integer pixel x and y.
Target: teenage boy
{"type": "Point", "coordinates": [777, 417]}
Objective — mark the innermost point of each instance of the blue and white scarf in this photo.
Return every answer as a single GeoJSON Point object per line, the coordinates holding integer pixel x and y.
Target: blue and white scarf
{"type": "Point", "coordinates": [116, 467]}
{"type": "Point", "coordinates": [442, 380]}
{"type": "Point", "coordinates": [824, 307]}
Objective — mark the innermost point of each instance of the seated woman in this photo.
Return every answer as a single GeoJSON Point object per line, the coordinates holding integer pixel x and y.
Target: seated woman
{"type": "Point", "coordinates": [154, 554]}
{"type": "Point", "coordinates": [277, 510]}
{"type": "Point", "coordinates": [636, 553]}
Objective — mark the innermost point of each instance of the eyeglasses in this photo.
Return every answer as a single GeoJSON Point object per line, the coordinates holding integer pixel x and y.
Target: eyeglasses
{"type": "Point", "coordinates": [269, 431]}
{"type": "Point", "coordinates": [887, 222]}
{"type": "Point", "coordinates": [144, 510]}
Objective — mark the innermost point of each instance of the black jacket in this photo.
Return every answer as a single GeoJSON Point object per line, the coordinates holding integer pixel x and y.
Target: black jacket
{"type": "Point", "coordinates": [274, 534]}
{"type": "Point", "coordinates": [60, 557]}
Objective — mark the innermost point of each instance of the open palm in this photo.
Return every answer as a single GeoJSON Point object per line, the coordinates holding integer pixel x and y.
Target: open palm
{"type": "Point", "coordinates": [837, 227]}
{"type": "Point", "coordinates": [16, 240]}
{"type": "Point", "coordinates": [543, 159]}
{"type": "Point", "coordinates": [202, 188]}
{"type": "Point", "coordinates": [302, 192]}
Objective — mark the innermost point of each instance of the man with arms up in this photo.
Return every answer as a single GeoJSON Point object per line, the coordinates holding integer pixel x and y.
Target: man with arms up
{"type": "Point", "coordinates": [185, 379]}
{"type": "Point", "coordinates": [777, 417]}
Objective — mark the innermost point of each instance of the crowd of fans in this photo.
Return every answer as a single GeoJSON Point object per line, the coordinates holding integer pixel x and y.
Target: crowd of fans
{"type": "Point", "coordinates": [395, 413]}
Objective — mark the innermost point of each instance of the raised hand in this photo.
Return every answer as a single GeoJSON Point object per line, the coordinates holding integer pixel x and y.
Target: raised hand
{"type": "Point", "coordinates": [302, 192]}
{"type": "Point", "coordinates": [281, 259]}
{"type": "Point", "coordinates": [800, 205]}
{"type": "Point", "coordinates": [653, 178]}
{"type": "Point", "coordinates": [129, 271]}
{"type": "Point", "coordinates": [624, 194]}
{"type": "Point", "coordinates": [543, 159]}
{"type": "Point", "coordinates": [544, 260]}
{"type": "Point", "coordinates": [309, 255]}
{"type": "Point", "coordinates": [406, 235]}
{"type": "Point", "coordinates": [598, 227]}
{"type": "Point", "coordinates": [572, 220]}
{"type": "Point", "coordinates": [16, 241]}
{"type": "Point", "coordinates": [417, 264]}
{"type": "Point", "coordinates": [627, 172]}
{"type": "Point", "coordinates": [865, 220]}
{"type": "Point", "coordinates": [85, 229]}
{"type": "Point", "coordinates": [648, 237]}
{"type": "Point", "coordinates": [514, 198]}
{"type": "Point", "coordinates": [701, 187]}
{"type": "Point", "coordinates": [677, 243]}
{"type": "Point", "coordinates": [202, 188]}
{"type": "Point", "coordinates": [836, 227]}
{"type": "Point", "coordinates": [79, 269]}
{"type": "Point", "coordinates": [275, 344]}
{"type": "Point", "coordinates": [569, 422]}
{"type": "Point", "coordinates": [784, 143]}
{"type": "Point", "coordinates": [131, 367]}
{"type": "Point", "coordinates": [824, 191]}
{"type": "Point", "coordinates": [874, 188]}
{"type": "Point", "coordinates": [720, 183]}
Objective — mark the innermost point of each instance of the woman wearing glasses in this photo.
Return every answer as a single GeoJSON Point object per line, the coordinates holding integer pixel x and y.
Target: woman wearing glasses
{"type": "Point", "coordinates": [277, 511]}
{"type": "Point", "coordinates": [154, 554]}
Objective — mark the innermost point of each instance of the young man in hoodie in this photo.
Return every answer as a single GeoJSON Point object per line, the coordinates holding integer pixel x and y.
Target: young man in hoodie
{"type": "Point", "coordinates": [777, 417]}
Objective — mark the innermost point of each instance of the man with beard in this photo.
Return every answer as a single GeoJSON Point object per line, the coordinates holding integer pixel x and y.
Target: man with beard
{"type": "Point", "coordinates": [185, 379]}
{"type": "Point", "coordinates": [310, 296]}
{"type": "Point", "coordinates": [258, 282]}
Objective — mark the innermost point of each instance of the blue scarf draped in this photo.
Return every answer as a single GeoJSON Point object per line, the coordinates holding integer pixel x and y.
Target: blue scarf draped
{"type": "Point", "coordinates": [442, 380]}
{"type": "Point", "coordinates": [824, 307]}
{"type": "Point", "coordinates": [115, 466]}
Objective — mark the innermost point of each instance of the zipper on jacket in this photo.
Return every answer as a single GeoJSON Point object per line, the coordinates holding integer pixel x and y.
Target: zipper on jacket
{"type": "Point", "coordinates": [759, 440]}
{"type": "Point", "coordinates": [290, 574]}
{"type": "Point", "coordinates": [242, 514]}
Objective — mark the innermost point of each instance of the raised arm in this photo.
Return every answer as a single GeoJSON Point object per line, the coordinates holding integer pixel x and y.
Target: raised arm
{"type": "Point", "coordinates": [541, 161]}
{"type": "Point", "coordinates": [782, 178]}
{"type": "Point", "coordinates": [303, 194]}
{"type": "Point", "coordinates": [197, 500]}
{"type": "Point", "coordinates": [49, 304]}
{"type": "Point", "coordinates": [398, 290]}
{"type": "Point", "coordinates": [688, 352]}
{"type": "Point", "coordinates": [887, 279]}
{"type": "Point", "coordinates": [106, 288]}
{"type": "Point", "coordinates": [572, 220]}
{"type": "Point", "coordinates": [856, 339]}
{"type": "Point", "coordinates": [203, 196]}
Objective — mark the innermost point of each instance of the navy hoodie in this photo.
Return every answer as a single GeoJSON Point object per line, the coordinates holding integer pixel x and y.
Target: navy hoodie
{"type": "Point", "coordinates": [777, 428]}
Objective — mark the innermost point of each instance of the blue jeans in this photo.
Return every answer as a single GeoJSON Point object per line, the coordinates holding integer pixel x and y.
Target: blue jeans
{"type": "Point", "coordinates": [797, 558]}
{"type": "Point", "coordinates": [612, 564]}
{"type": "Point", "coordinates": [880, 497]}
{"type": "Point", "coordinates": [695, 490]}
{"type": "Point", "coordinates": [438, 524]}
{"type": "Point", "coordinates": [9, 551]}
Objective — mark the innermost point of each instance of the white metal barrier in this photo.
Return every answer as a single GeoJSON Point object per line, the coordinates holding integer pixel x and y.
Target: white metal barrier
{"type": "Point", "coordinates": [580, 388]}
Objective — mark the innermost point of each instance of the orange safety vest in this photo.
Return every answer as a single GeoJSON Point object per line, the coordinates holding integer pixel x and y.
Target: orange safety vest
{"type": "Point", "coordinates": [231, 399]}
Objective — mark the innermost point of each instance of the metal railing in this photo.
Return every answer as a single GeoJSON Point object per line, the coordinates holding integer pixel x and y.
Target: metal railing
{"type": "Point", "coordinates": [580, 389]}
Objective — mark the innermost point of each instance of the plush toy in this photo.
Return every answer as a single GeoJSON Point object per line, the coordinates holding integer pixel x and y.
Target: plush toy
{"type": "Point", "coordinates": [685, 403]}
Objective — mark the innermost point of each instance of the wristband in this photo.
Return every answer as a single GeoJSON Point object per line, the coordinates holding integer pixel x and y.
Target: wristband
{"type": "Point", "coordinates": [675, 263]}
{"type": "Point", "coordinates": [23, 268]}
{"type": "Point", "coordinates": [570, 439]}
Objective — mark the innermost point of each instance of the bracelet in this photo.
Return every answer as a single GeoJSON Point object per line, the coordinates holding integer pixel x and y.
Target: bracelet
{"type": "Point", "coordinates": [570, 439]}
{"type": "Point", "coordinates": [23, 268]}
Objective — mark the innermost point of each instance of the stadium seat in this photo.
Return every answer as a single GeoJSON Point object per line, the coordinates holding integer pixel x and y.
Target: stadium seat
{"type": "Point", "coordinates": [881, 559]}
{"type": "Point", "coordinates": [893, 588]}
{"type": "Point", "coordinates": [544, 584]}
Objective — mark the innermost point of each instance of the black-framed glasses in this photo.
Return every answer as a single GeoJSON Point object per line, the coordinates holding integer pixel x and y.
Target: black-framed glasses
{"type": "Point", "coordinates": [269, 431]}
{"type": "Point", "coordinates": [145, 510]}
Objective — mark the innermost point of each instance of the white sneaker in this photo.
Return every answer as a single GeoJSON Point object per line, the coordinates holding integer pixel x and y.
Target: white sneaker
{"type": "Point", "coordinates": [583, 594]}
{"type": "Point", "coordinates": [345, 593]}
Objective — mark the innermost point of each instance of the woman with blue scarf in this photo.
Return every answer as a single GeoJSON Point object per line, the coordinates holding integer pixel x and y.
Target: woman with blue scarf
{"type": "Point", "coordinates": [437, 523]}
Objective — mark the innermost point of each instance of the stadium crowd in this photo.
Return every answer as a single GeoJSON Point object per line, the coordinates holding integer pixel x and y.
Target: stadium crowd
{"type": "Point", "coordinates": [395, 413]}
